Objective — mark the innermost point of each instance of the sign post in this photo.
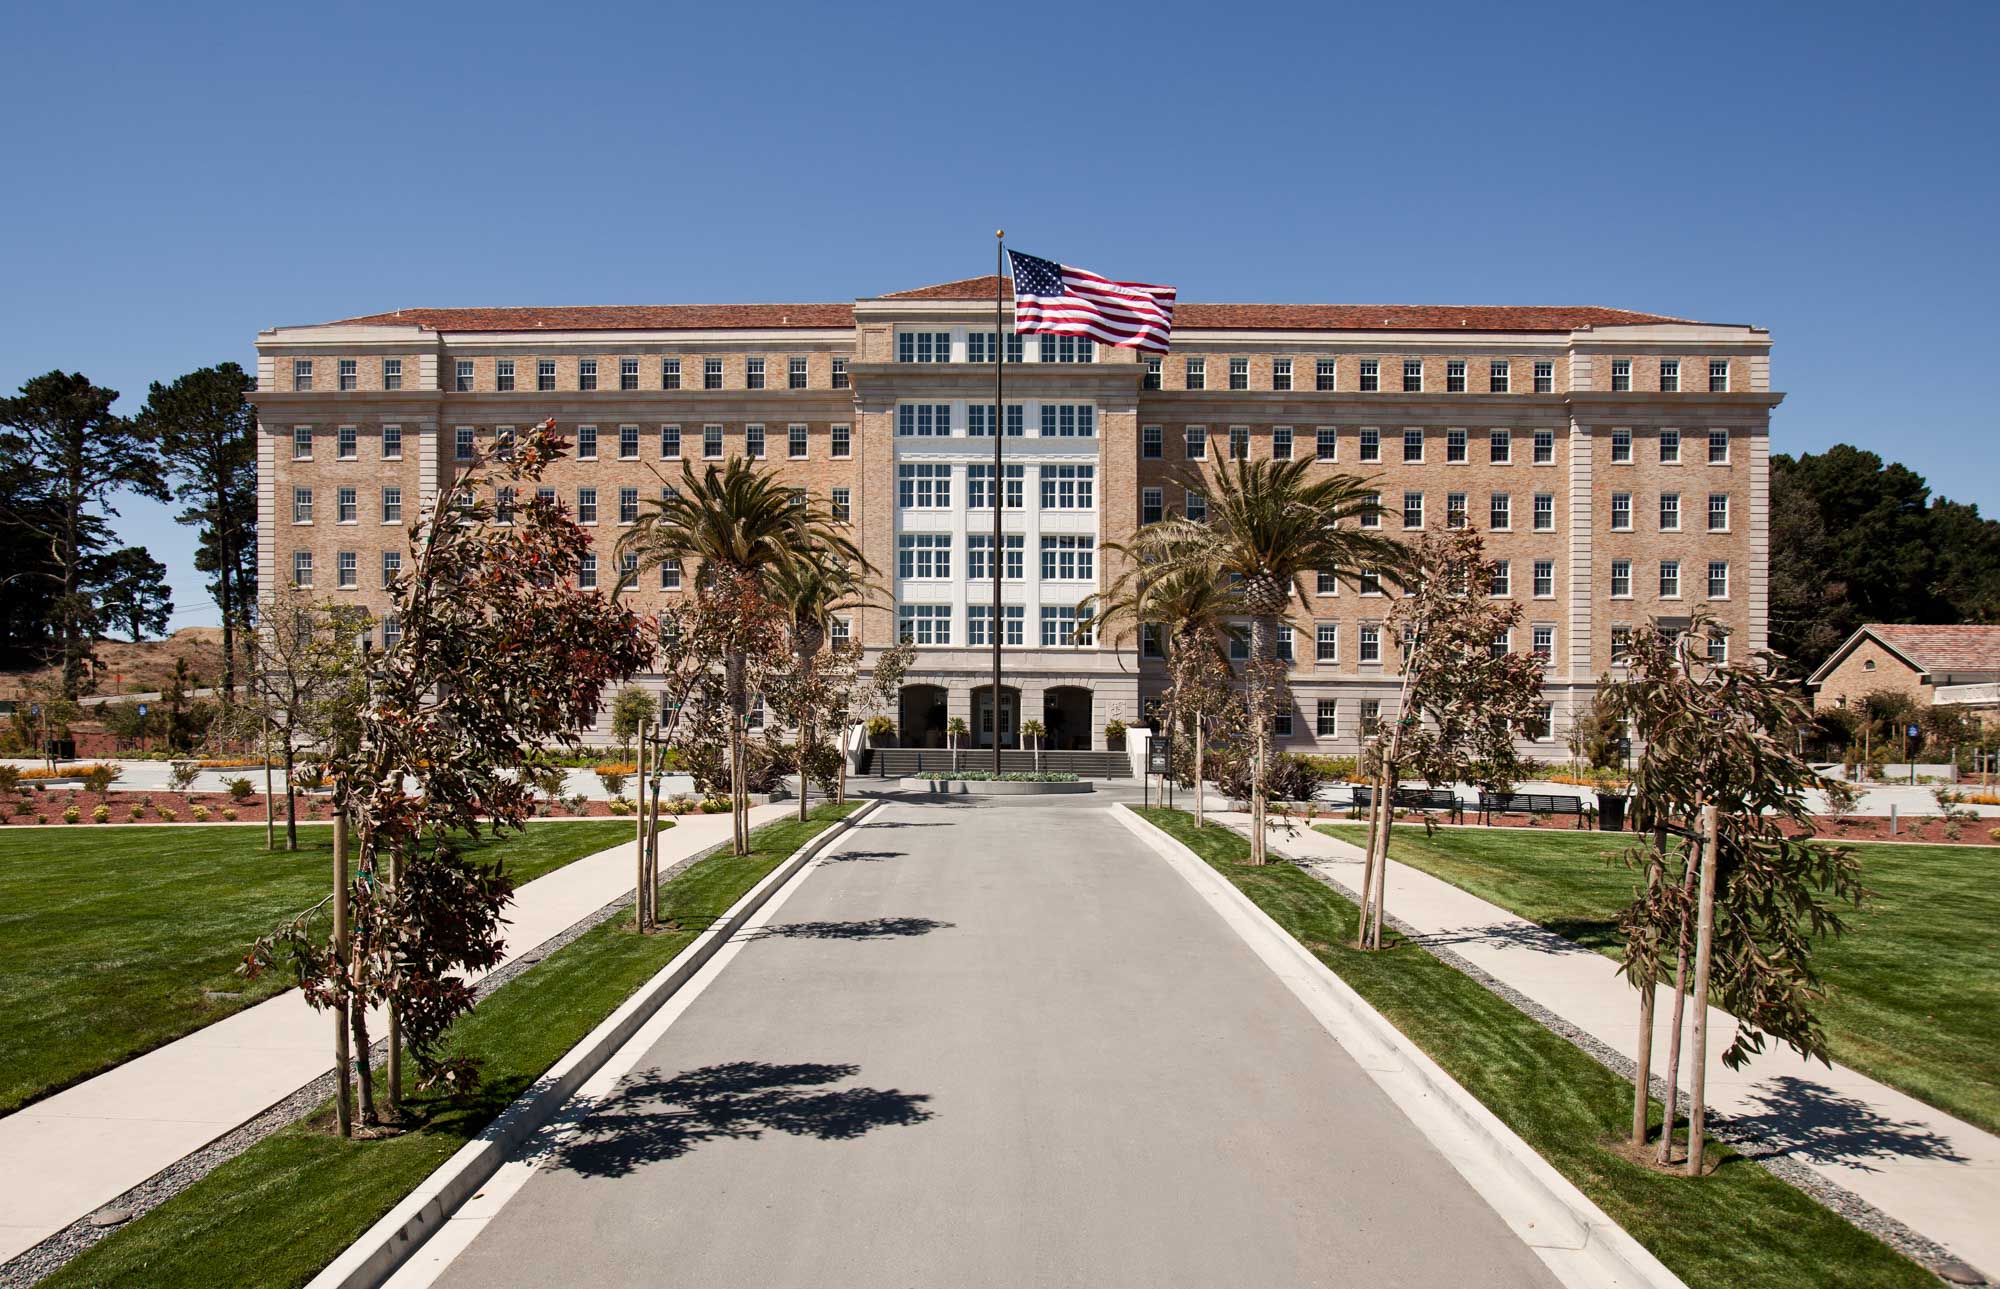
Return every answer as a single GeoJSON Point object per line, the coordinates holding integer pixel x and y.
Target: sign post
{"type": "Point", "coordinates": [1160, 759]}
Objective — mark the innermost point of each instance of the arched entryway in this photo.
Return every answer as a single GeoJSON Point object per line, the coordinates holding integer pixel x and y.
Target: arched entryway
{"type": "Point", "coordinates": [922, 716]}
{"type": "Point", "coordinates": [1066, 715]}
{"type": "Point", "coordinates": [1010, 716]}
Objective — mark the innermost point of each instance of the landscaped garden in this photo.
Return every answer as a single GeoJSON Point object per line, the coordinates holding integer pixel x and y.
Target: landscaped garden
{"type": "Point", "coordinates": [131, 939]}
{"type": "Point", "coordinates": [1740, 1226]}
{"type": "Point", "coordinates": [293, 1202]}
{"type": "Point", "coordinates": [1915, 982]}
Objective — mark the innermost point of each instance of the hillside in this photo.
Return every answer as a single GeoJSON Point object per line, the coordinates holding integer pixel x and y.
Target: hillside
{"type": "Point", "coordinates": [128, 668]}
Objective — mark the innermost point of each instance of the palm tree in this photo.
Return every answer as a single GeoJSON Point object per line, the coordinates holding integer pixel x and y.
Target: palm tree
{"type": "Point", "coordinates": [1269, 524]}
{"type": "Point", "coordinates": [741, 525]}
{"type": "Point", "coordinates": [1191, 608]}
{"type": "Point", "coordinates": [814, 590]}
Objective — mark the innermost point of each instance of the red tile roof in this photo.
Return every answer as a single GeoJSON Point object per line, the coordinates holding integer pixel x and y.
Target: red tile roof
{"type": "Point", "coordinates": [618, 317]}
{"type": "Point", "coordinates": [1346, 317]}
{"type": "Point", "coordinates": [1942, 649]}
{"type": "Point", "coordinates": [1221, 317]}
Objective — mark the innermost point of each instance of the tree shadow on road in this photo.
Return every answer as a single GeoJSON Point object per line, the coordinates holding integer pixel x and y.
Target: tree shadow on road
{"type": "Point", "coordinates": [858, 929]}
{"type": "Point", "coordinates": [656, 1118]}
{"type": "Point", "coordinates": [862, 856]}
{"type": "Point", "coordinates": [1811, 1122]}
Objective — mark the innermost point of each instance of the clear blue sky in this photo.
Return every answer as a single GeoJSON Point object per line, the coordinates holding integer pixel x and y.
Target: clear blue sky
{"type": "Point", "coordinates": [181, 177]}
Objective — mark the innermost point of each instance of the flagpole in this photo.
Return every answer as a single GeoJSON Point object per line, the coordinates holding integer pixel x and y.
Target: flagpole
{"type": "Point", "coordinates": [998, 555]}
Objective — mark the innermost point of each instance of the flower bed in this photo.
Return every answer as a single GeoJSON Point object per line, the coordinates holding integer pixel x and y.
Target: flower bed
{"type": "Point", "coordinates": [1929, 829]}
{"type": "Point", "coordinates": [53, 806]}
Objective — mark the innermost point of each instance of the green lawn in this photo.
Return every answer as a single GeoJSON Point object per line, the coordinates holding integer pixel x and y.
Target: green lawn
{"type": "Point", "coordinates": [1740, 1226]}
{"type": "Point", "coordinates": [283, 1209]}
{"type": "Point", "coordinates": [116, 940]}
{"type": "Point", "coordinates": [1916, 979]}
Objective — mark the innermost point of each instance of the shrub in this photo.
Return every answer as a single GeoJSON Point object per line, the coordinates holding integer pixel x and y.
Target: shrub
{"type": "Point", "coordinates": [240, 789]}
{"type": "Point", "coordinates": [182, 774]}
{"type": "Point", "coordinates": [71, 814]}
{"type": "Point", "coordinates": [10, 778]}
{"type": "Point", "coordinates": [168, 814]}
{"type": "Point", "coordinates": [98, 778]}
{"type": "Point", "coordinates": [680, 806]}
{"type": "Point", "coordinates": [200, 813]}
{"type": "Point", "coordinates": [23, 807]}
{"type": "Point", "coordinates": [612, 779]}
{"type": "Point", "coordinates": [1290, 777]}
{"type": "Point", "coordinates": [229, 813]}
{"type": "Point", "coordinates": [577, 804]}
{"type": "Point", "coordinates": [1952, 831]}
{"type": "Point", "coordinates": [620, 806]}
{"type": "Point", "coordinates": [715, 805]}
{"type": "Point", "coordinates": [137, 812]}
{"type": "Point", "coordinates": [101, 813]}
{"type": "Point", "coordinates": [880, 727]}
{"type": "Point", "coordinates": [1114, 734]}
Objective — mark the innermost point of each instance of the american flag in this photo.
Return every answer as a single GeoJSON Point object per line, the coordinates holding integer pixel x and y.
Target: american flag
{"type": "Point", "coordinates": [1061, 300]}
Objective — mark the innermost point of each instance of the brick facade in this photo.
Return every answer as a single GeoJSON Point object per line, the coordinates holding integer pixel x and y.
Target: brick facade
{"type": "Point", "coordinates": [1566, 431]}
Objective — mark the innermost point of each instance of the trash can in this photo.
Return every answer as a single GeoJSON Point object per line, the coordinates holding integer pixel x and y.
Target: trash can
{"type": "Point", "coordinates": [1610, 813]}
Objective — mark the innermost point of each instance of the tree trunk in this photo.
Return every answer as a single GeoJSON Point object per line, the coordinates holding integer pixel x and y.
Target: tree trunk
{"type": "Point", "coordinates": [395, 1017]}
{"type": "Point", "coordinates": [1704, 938]}
{"type": "Point", "coordinates": [1665, 1154]}
{"type": "Point", "coordinates": [805, 759]}
{"type": "Point", "coordinates": [224, 565]}
{"type": "Point", "coordinates": [270, 808]}
{"type": "Point", "coordinates": [364, 1076]}
{"type": "Point", "coordinates": [291, 798]}
{"type": "Point", "coordinates": [343, 1084]}
{"type": "Point", "coordinates": [1642, 1077]}
{"type": "Point", "coordinates": [1260, 731]}
{"type": "Point", "coordinates": [738, 719]}
{"type": "Point", "coordinates": [1388, 816]}
{"type": "Point", "coordinates": [1200, 809]}
{"type": "Point", "coordinates": [840, 775]}
{"type": "Point", "coordinates": [639, 838]}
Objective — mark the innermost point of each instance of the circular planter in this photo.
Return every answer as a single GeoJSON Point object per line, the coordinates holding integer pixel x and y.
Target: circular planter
{"type": "Point", "coordinates": [993, 787]}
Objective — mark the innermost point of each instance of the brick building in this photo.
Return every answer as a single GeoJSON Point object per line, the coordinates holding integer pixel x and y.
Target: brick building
{"type": "Point", "coordinates": [1617, 461]}
{"type": "Point", "coordinates": [1956, 666]}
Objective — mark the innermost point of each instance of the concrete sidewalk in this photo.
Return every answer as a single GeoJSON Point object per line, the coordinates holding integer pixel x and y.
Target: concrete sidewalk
{"type": "Point", "coordinates": [70, 1154]}
{"type": "Point", "coordinates": [1935, 1174]}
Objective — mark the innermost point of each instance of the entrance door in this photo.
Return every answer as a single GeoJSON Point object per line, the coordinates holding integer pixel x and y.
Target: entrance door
{"type": "Point", "coordinates": [1010, 716]}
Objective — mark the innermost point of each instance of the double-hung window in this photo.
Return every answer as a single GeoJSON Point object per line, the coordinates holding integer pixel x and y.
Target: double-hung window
{"type": "Point", "coordinates": [347, 443]}
{"type": "Point", "coordinates": [923, 555]}
{"type": "Point", "coordinates": [1454, 510]}
{"type": "Point", "coordinates": [302, 443]}
{"type": "Point", "coordinates": [979, 624]}
{"type": "Point", "coordinates": [1621, 375]}
{"type": "Point", "coordinates": [392, 505]}
{"type": "Point", "coordinates": [979, 557]}
{"type": "Point", "coordinates": [1197, 374]}
{"type": "Point", "coordinates": [302, 377]}
{"type": "Point", "coordinates": [753, 373]}
{"type": "Point", "coordinates": [1718, 447]}
{"type": "Point", "coordinates": [670, 442]}
{"type": "Point", "coordinates": [347, 508]}
{"type": "Point", "coordinates": [1069, 558]}
{"type": "Point", "coordinates": [1371, 511]}
{"type": "Point", "coordinates": [1371, 375]}
{"type": "Point", "coordinates": [1413, 375]}
{"type": "Point", "coordinates": [628, 505]}
{"type": "Point", "coordinates": [1455, 445]}
{"type": "Point", "coordinates": [1281, 443]}
{"type": "Point", "coordinates": [1670, 579]}
{"type": "Point", "coordinates": [1545, 578]}
{"type": "Point", "coordinates": [1068, 349]}
{"type": "Point", "coordinates": [841, 442]}
{"type": "Point", "coordinates": [979, 420]}
{"type": "Point", "coordinates": [1670, 512]}
{"type": "Point", "coordinates": [923, 346]}
{"type": "Point", "coordinates": [1670, 375]}
{"type": "Point", "coordinates": [586, 443]}
{"type": "Point", "coordinates": [1500, 578]}
{"type": "Point", "coordinates": [545, 375]}
{"type": "Point", "coordinates": [670, 575]}
{"type": "Point", "coordinates": [1196, 507]}
{"type": "Point", "coordinates": [670, 373]}
{"type": "Point", "coordinates": [1621, 447]}
{"type": "Point", "coordinates": [1371, 445]}
{"type": "Point", "coordinates": [1371, 643]}
{"type": "Point", "coordinates": [1069, 421]}
{"type": "Point", "coordinates": [462, 376]}
{"type": "Point", "coordinates": [1718, 579]}
{"type": "Point", "coordinates": [1621, 579]}
{"type": "Point", "coordinates": [840, 373]}
{"type": "Point", "coordinates": [842, 505]}
{"type": "Point", "coordinates": [1545, 447]}
{"type": "Point", "coordinates": [1066, 625]}
{"type": "Point", "coordinates": [1326, 442]}
{"type": "Point", "coordinates": [711, 442]}
{"type": "Point", "coordinates": [1152, 505]}
{"type": "Point", "coordinates": [923, 420]}
{"type": "Point", "coordinates": [1545, 512]}
{"type": "Point", "coordinates": [1281, 374]}
{"type": "Point", "coordinates": [1413, 510]}
{"type": "Point", "coordinates": [462, 442]}
{"type": "Point", "coordinates": [795, 442]}
{"type": "Point", "coordinates": [1239, 373]}
{"type": "Point", "coordinates": [1670, 446]}
{"type": "Point", "coordinates": [924, 624]}
{"type": "Point", "coordinates": [1718, 376]}
{"type": "Point", "coordinates": [1413, 445]}
{"type": "Point", "coordinates": [1326, 722]}
{"type": "Point", "coordinates": [628, 373]}
{"type": "Point", "coordinates": [1621, 512]}
{"type": "Point", "coordinates": [711, 373]}
{"type": "Point", "coordinates": [979, 487]}
{"type": "Point", "coordinates": [795, 373]}
{"type": "Point", "coordinates": [1325, 373]}
{"type": "Point", "coordinates": [1152, 440]}
{"type": "Point", "coordinates": [753, 442]}
{"type": "Point", "coordinates": [1454, 376]}
{"type": "Point", "coordinates": [302, 505]}
{"type": "Point", "coordinates": [349, 377]}
{"type": "Point", "coordinates": [923, 486]}
{"type": "Point", "coordinates": [392, 567]}
{"type": "Point", "coordinates": [1069, 487]}
{"type": "Point", "coordinates": [503, 375]}
{"type": "Point", "coordinates": [586, 505]}
{"type": "Point", "coordinates": [1499, 447]}
{"type": "Point", "coordinates": [1326, 642]}
{"type": "Point", "coordinates": [1197, 442]}
{"type": "Point", "coordinates": [1152, 380]}
{"type": "Point", "coordinates": [1499, 376]}
{"type": "Point", "coordinates": [392, 373]}
{"type": "Point", "coordinates": [586, 374]}
{"type": "Point", "coordinates": [392, 443]}
{"type": "Point", "coordinates": [302, 569]}
{"type": "Point", "coordinates": [1545, 377]}
{"type": "Point", "coordinates": [628, 443]}
{"type": "Point", "coordinates": [1718, 512]}
{"type": "Point", "coordinates": [1543, 643]}
{"type": "Point", "coordinates": [1239, 443]}
{"type": "Point", "coordinates": [586, 572]}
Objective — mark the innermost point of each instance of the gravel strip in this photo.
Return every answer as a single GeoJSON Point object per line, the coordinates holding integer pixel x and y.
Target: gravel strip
{"type": "Point", "coordinates": [44, 1259]}
{"type": "Point", "coordinates": [1873, 1220]}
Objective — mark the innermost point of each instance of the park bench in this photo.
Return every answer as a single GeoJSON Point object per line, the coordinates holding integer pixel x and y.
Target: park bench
{"type": "Point", "coordinates": [1530, 803]}
{"type": "Point", "coordinates": [1361, 797]}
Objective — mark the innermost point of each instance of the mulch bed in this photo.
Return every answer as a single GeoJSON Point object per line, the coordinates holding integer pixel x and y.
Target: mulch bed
{"type": "Point", "coordinates": [1923, 828]}
{"type": "Point", "coordinates": [48, 806]}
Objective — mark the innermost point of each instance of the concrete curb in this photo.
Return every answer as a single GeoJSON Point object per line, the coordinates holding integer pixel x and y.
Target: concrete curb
{"type": "Point", "coordinates": [372, 1259]}
{"type": "Point", "coordinates": [1564, 1227]}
